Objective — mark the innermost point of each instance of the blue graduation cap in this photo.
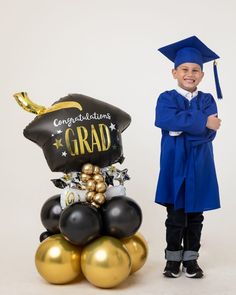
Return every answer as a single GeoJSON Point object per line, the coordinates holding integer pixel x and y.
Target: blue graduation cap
{"type": "Point", "coordinates": [192, 50]}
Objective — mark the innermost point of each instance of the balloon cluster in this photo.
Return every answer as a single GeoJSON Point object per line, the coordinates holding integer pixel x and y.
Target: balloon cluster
{"type": "Point", "coordinates": [92, 226]}
{"type": "Point", "coordinates": [101, 237]}
{"type": "Point", "coordinates": [95, 184]}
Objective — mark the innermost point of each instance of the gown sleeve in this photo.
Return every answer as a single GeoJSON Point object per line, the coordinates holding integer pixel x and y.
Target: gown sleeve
{"type": "Point", "coordinates": [209, 108]}
{"type": "Point", "coordinates": [169, 117]}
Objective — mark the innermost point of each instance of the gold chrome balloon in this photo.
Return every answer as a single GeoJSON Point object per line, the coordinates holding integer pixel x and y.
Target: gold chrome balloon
{"type": "Point", "coordinates": [96, 170]}
{"type": "Point", "coordinates": [138, 250]}
{"type": "Point", "coordinates": [99, 198]}
{"type": "Point", "coordinates": [105, 262]}
{"type": "Point", "coordinates": [87, 169]}
{"type": "Point", "coordinates": [85, 177]}
{"type": "Point", "coordinates": [57, 260]}
{"type": "Point", "coordinates": [98, 178]}
{"type": "Point", "coordinates": [91, 185]}
{"type": "Point", "coordinates": [90, 196]}
{"type": "Point", "coordinates": [101, 187]}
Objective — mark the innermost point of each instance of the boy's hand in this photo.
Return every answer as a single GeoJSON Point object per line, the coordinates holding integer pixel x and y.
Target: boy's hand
{"type": "Point", "coordinates": [213, 122]}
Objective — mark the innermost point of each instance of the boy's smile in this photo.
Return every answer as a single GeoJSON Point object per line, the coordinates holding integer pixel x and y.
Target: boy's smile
{"type": "Point", "coordinates": [188, 75]}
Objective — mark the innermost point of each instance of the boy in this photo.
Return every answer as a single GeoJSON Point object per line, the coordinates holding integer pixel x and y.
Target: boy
{"type": "Point", "coordinates": [187, 183]}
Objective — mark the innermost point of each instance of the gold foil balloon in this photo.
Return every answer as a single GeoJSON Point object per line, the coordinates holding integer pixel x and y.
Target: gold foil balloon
{"type": "Point", "coordinates": [87, 169]}
{"type": "Point", "coordinates": [96, 170]}
{"type": "Point", "coordinates": [90, 196]}
{"type": "Point", "coordinates": [138, 250]}
{"type": "Point", "coordinates": [57, 260]}
{"type": "Point", "coordinates": [105, 262]}
{"type": "Point", "coordinates": [91, 185]}
{"type": "Point", "coordinates": [85, 177]}
{"type": "Point", "coordinates": [99, 198]}
{"type": "Point", "coordinates": [95, 184]}
{"type": "Point", "coordinates": [75, 130]}
{"type": "Point", "coordinates": [98, 178]}
{"type": "Point", "coordinates": [101, 187]}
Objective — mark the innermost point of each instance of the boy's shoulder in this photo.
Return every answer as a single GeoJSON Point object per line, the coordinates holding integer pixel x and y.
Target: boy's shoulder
{"type": "Point", "coordinates": [206, 97]}
{"type": "Point", "coordinates": [168, 92]}
{"type": "Point", "coordinates": [205, 93]}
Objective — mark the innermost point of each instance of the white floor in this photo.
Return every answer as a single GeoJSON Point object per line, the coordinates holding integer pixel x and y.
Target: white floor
{"type": "Point", "coordinates": [19, 276]}
{"type": "Point", "coordinates": [219, 280]}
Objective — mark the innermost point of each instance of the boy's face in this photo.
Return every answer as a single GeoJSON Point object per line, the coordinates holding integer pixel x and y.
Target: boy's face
{"type": "Point", "coordinates": [188, 75]}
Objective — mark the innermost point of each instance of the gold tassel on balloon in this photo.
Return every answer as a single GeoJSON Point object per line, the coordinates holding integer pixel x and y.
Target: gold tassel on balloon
{"type": "Point", "coordinates": [28, 105]}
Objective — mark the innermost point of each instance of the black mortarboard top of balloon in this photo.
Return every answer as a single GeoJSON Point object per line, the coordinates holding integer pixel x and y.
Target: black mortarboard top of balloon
{"type": "Point", "coordinates": [78, 129]}
{"type": "Point", "coordinates": [81, 137]}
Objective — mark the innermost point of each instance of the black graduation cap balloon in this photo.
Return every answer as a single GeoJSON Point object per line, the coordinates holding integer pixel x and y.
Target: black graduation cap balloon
{"type": "Point", "coordinates": [75, 130]}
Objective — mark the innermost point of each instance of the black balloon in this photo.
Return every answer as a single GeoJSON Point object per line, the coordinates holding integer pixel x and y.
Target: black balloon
{"type": "Point", "coordinates": [50, 214]}
{"type": "Point", "coordinates": [45, 235]}
{"type": "Point", "coordinates": [78, 130]}
{"type": "Point", "coordinates": [80, 223]}
{"type": "Point", "coordinates": [121, 216]}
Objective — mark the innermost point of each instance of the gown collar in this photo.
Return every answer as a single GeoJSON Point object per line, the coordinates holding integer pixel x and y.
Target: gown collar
{"type": "Point", "coordinates": [186, 94]}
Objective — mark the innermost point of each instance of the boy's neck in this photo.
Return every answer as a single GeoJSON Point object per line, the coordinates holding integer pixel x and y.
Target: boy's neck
{"type": "Point", "coordinates": [189, 91]}
{"type": "Point", "coordinates": [187, 94]}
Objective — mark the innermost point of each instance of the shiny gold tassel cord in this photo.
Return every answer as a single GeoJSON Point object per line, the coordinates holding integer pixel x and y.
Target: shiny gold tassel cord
{"type": "Point", "coordinates": [31, 107]}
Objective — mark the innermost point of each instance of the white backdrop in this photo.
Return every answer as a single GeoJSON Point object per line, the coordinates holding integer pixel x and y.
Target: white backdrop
{"type": "Point", "coordinates": [108, 50]}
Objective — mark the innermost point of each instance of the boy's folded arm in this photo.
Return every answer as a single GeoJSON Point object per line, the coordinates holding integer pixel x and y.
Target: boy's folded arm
{"type": "Point", "coordinates": [209, 134]}
{"type": "Point", "coordinates": [210, 106]}
{"type": "Point", "coordinates": [170, 118]}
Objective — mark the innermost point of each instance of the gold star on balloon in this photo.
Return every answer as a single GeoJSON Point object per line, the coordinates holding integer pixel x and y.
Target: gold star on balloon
{"type": "Point", "coordinates": [58, 143]}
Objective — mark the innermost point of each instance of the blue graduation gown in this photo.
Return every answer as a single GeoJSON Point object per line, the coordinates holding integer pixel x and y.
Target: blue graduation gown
{"type": "Point", "coordinates": [187, 177]}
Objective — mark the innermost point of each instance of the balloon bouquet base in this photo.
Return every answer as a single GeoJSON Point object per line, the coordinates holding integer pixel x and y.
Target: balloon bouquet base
{"type": "Point", "coordinates": [91, 230]}
{"type": "Point", "coordinates": [106, 262]}
{"type": "Point", "coordinates": [92, 226]}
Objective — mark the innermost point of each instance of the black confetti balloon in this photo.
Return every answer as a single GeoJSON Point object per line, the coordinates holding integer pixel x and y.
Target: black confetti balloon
{"type": "Point", "coordinates": [50, 214]}
{"type": "Point", "coordinates": [121, 216]}
{"type": "Point", "coordinates": [80, 223]}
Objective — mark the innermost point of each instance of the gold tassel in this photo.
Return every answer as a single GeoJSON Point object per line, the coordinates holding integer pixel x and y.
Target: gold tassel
{"type": "Point", "coordinates": [29, 106]}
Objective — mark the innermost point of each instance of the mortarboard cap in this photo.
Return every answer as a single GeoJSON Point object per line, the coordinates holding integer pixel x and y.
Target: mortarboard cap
{"type": "Point", "coordinates": [76, 130]}
{"type": "Point", "coordinates": [192, 50]}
